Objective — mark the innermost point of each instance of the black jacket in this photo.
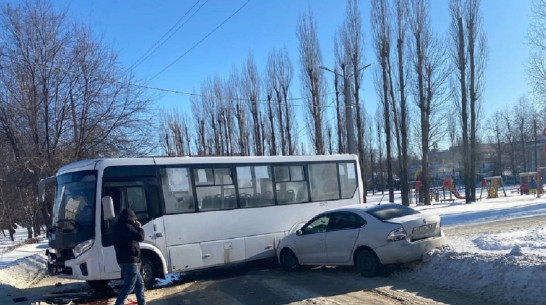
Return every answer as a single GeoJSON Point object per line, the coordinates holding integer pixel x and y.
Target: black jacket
{"type": "Point", "coordinates": [127, 236]}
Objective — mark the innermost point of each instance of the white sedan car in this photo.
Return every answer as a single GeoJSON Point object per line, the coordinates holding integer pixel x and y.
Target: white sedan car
{"type": "Point", "coordinates": [366, 236]}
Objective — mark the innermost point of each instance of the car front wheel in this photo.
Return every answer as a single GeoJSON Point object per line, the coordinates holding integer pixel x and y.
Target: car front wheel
{"type": "Point", "coordinates": [289, 261]}
{"type": "Point", "coordinates": [367, 263]}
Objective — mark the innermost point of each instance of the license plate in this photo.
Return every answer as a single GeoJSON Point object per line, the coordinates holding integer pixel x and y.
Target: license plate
{"type": "Point", "coordinates": [424, 229]}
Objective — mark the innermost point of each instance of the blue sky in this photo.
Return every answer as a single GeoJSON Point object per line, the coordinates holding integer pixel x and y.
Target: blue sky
{"type": "Point", "coordinates": [132, 27]}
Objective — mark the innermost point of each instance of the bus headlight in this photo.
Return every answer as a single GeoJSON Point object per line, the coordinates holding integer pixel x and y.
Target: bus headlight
{"type": "Point", "coordinates": [82, 247]}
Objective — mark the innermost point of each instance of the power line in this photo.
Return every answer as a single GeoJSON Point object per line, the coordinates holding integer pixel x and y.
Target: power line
{"type": "Point", "coordinates": [200, 41]}
{"type": "Point", "coordinates": [173, 30]}
{"type": "Point", "coordinates": [323, 110]}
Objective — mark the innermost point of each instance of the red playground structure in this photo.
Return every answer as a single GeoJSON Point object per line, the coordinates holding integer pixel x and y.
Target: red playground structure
{"type": "Point", "coordinates": [448, 184]}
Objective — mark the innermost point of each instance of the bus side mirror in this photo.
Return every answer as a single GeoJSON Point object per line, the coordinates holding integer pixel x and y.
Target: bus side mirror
{"type": "Point", "coordinates": [108, 207]}
{"type": "Point", "coordinates": [299, 232]}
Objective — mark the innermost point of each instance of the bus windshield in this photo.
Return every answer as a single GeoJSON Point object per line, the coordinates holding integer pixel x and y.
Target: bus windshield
{"type": "Point", "coordinates": [75, 198]}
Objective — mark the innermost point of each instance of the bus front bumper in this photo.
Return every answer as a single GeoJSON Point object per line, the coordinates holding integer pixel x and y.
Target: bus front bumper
{"type": "Point", "coordinates": [83, 267]}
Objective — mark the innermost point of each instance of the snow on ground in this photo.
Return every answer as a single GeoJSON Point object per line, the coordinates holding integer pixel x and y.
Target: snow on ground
{"type": "Point", "coordinates": [23, 265]}
{"type": "Point", "coordinates": [508, 267]}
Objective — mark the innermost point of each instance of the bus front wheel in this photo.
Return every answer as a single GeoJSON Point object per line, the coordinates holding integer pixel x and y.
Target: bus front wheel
{"type": "Point", "coordinates": [148, 270]}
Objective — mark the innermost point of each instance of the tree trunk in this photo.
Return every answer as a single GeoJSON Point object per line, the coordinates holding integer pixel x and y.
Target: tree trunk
{"type": "Point", "coordinates": [386, 114]}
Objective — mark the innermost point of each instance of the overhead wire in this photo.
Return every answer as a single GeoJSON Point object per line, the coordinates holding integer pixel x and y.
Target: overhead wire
{"type": "Point", "coordinates": [200, 41]}
{"type": "Point", "coordinates": [173, 30]}
{"type": "Point", "coordinates": [126, 83]}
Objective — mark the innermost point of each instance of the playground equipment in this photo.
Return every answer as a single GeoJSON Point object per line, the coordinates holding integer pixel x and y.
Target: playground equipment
{"type": "Point", "coordinates": [528, 183]}
{"type": "Point", "coordinates": [448, 184]}
{"type": "Point", "coordinates": [492, 186]}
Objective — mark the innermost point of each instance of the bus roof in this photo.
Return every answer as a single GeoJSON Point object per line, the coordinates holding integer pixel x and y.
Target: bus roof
{"type": "Point", "coordinates": [92, 164]}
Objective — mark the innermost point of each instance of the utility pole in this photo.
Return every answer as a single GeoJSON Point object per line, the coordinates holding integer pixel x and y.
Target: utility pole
{"type": "Point", "coordinates": [349, 106]}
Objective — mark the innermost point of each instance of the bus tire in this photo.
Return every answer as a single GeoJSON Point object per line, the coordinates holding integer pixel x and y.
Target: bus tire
{"type": "Point", "coordinates": [149, 271]}
{"type": "Point", "coordinates": [99, 285]}
{"type": "Point", "coordinates": [367, 263]}
{"type": "Point", "coordinates": [289, 261]}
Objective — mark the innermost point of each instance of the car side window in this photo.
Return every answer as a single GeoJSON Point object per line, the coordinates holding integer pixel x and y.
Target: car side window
{"type": "Point", "coordinates": [317, 225]}
{"type": "Point", "coordinates": [345, 221]}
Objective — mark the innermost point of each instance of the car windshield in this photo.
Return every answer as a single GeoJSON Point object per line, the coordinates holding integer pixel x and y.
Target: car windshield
{"type": "Point", "coordinates": [74, 203]}
{"type": "Point", "coordinates": [390, 211]}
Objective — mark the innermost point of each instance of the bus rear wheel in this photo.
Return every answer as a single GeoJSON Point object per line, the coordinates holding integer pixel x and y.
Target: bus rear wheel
{"type": "Point", "coordinates": [149, 271]}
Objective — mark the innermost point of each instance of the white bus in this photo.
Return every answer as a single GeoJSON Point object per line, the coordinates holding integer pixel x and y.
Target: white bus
{"type": "Point", "coordinates": [197, 212]}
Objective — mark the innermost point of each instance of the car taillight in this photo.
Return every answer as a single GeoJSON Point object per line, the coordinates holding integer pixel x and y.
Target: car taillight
{"type": "Point", "coordinates": [398, 234]}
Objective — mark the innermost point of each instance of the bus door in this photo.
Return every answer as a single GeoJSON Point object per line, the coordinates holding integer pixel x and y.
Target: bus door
{"type": "Point", "coordinates": [141, 194]}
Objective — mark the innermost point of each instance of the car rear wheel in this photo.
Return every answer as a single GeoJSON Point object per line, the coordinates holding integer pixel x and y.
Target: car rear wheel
{"type": "Point", "coordinates": [367, 263]}
{"type": "Point", "coordinates": [289, 261]}
{"type": "Point", "coordinates": [148, 270]}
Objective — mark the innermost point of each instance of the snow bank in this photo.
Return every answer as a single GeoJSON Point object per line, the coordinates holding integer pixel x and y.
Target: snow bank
{"type": "Point", "coordinates": [22, 263]}
{"type": "Point", "coordinates": [514, 279]}
{"type": "Point", "coordinates": [24, 272]}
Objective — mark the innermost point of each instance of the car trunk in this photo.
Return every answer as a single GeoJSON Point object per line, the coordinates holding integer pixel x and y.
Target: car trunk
{"type": "Point", "coordinates": [419, 226]}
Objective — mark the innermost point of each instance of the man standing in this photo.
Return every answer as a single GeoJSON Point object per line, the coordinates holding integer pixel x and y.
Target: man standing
{"type": "Point", "coordinates": [128, 232]}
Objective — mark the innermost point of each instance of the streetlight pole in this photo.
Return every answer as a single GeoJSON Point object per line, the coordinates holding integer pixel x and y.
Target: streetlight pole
{"type": "Point", "coordinates": [349, 106]}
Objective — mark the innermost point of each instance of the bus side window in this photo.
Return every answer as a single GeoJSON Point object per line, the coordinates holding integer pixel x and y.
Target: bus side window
{"type": "Point", "coordinates": [255, 186]}
{"type": "Point", "coordinates": [177, 190]}
{"type": "Point", "coordinates": [347, 179]}
{"type": "Point", "coordinates": [214, 189]}
{"type": "Point", "coordinates": [323, 179]}
{"type": "Point", "coordinates": [290, 184]}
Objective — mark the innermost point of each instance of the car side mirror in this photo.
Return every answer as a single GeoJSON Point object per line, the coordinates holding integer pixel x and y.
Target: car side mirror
{"type": "Point", "coordinates": [108, 207]}
{"type": "Point", "coordinates": [299, 232]}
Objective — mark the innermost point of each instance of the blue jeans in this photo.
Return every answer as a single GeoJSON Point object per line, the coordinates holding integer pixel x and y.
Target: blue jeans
{"type": "Point", "coordinates": [131, 280]}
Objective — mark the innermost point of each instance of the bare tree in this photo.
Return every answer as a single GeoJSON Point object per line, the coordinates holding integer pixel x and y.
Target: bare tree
{"type": "Point", "coordinates": [477, 56]}
{"type": "Point", "coordinates": [469, 56]}
{"type": "Point", "coordinates": [198, 112]}
{"type": "Point", "coordinates": [250, 90]}
{"type": "Point", "coordinates": [379, 122]}
{"type": "Point", "coordinates": [459, 59]}
{"type": "Point", "coordinates": [381, 28]}
{"type": "Point", "coordinates": [340, 103]}
{"type": "Point", "coordinates": [273, 95]}
{"type": "Point", "coordinates": [522, 122]}
{"type": "Point", "coordinates": [352, 38]}
{"type": "Point", "coordinates": [63, 96]}
{"type": "Point", "coordinates": [370, 140]}
{"type": "Point", "coordinates": [240, 110]}
{"type": "Point", "coordinates": [401, 13]}
{"type": "Point", "coordinates": [430, 75]}
{"type": "Point", "coordinates": [175, 131]}
{"type": "Point", "coordinates": [313, 82]}
{"type": "Point", "coordinates": [496, 127]}
{"type": "Point", "coordinates": [536, 67]}
{"type": "Point", "coordinates": [511, 139]}
{"type": "Point", "coordinates": [284, 73]}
